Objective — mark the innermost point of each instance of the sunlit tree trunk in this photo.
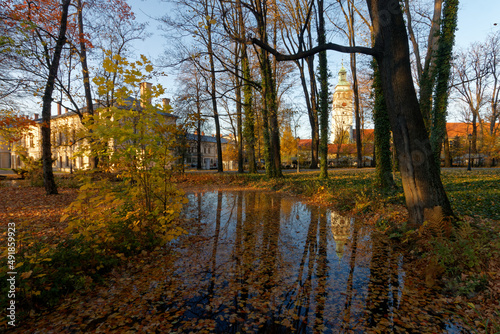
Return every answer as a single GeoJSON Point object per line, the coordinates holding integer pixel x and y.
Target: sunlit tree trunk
{"type": "Point", "coordinates": [323, 94]}
{"type": "Point", "coordinates": [424, 191]}
{"type": "Point", "coordinates": [48, 175]}
{"type": "Point", "coordinates": [85, 74]}
{"type": "Point", "coordinates": [270, 107]}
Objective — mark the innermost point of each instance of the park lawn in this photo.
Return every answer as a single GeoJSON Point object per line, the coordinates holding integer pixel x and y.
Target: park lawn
{"type": "Point", "coordinates": [475, 193]}
{"type": "Point", "coordinates": [57, 270]}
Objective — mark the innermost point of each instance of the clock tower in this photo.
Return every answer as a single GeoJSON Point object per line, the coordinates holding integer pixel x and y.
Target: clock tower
{"type": "Point", "coordinates": [342, 110]}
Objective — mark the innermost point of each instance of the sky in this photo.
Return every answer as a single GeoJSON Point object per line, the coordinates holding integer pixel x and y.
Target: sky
{"type": "Point", "coordinates": [476, 19]}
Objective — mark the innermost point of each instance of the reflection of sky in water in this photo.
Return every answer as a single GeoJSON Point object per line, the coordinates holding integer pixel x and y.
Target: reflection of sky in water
{"type": "Point", "coordinates": [311, 267]}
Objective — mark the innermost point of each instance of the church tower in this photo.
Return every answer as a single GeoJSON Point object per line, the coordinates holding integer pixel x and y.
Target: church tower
{"type": "Point", "coordinates": [342, 110]}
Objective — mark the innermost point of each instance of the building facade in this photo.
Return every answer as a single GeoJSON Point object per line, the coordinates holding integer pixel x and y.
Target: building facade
{"type": "Point", "coordinates": [342, 110]}
{"type": "Point", "coordinates": [208, 146]}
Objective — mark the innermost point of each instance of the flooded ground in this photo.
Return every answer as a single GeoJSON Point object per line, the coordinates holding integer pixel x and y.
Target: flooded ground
{"type": "Point", "coordinates": [266, 263]}
{"type": "Point", "coordinates": [259, 262]}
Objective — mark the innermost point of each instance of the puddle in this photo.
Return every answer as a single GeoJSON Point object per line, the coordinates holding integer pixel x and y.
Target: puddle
{"type": "Point", "coordinates": [262, 262]}
{"type": "Point", "coordinates": [259, 262]}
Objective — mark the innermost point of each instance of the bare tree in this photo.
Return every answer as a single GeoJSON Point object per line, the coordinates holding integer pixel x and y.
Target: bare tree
{"type": "Point", "coordinates": [470, 82]}
{"type": "Point", "coordinates": [424, 191]}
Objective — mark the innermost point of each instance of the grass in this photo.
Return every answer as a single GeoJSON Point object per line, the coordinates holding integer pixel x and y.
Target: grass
{"type": "Point", "coordinates": [475, 193]}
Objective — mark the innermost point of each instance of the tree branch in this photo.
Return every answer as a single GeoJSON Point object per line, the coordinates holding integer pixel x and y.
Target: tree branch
{"type": "Point", "coordinates": [304, 54]}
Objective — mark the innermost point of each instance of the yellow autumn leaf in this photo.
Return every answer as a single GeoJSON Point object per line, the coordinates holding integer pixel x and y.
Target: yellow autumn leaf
{"type": "Point", "coordinates": [26, 274]}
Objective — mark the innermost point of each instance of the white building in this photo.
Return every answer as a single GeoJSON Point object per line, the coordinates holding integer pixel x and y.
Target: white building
{"type": "Point", "coordinates": [65, 141]}
{"type": "Point", "coordinates": [342, 110]}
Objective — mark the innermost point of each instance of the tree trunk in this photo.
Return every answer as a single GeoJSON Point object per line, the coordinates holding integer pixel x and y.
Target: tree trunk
{"type": "Point", "coordinates": [86, 78]}
{"type": "Point", "coordinates": [314, 109]}
{"type": "Point", "coordinates": [198, 146]}
{"type": "Point", "coordinates": [352, 42]}
{"type": "Point", "coordinates": [269, 112]}
{"type": "Point", "coordinates": [383, 168]}
{"type": "Point", "coordinates": [359, 144]}
{"type": "Point", "coordinates": [323, 95]}
{"type": "Point", "coordinates": [447, 156]}
{"type": "Point", "coordinates": [239, 124]}
{"type": "Point", "coordinates": [213, 95]}
{"type": "Point", "coordinates": [48, 175]}
{"type": "Point", "coordinates": [423, 189]}
{"type": "Point", "coordinates": [249, 122]}
{"type": "Point", "coordinates": [312, 113]}
{"type": "Point", "coordinates": [443, 68]}
{"type": "Point", "coordinates": [428, 76]}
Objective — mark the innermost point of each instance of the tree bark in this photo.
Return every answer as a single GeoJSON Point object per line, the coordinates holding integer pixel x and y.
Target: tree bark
{"type": "Point", "coordinates": [323, 94]}
{"type": "Point", "coordinates": [314, 110]}
{"type": "Point", "coordinates": [443, 71]}
{"type": "Point", "coordinates": [85, 74]}
{"type": "Point", "coordinates": [383, 168]}
{"type": "Point", "coordinates": [355, 88]}
{"type": "Point", "coordinates": [48, 175]}
{"type": "Point", "coordinates": [213, 92]}
{"type": "Point", "coordinates": [427, 77]}
{"type": "Point", "coordinates": [269, 112]}
{"type": "Point", "coordinates": [423, 189]}
{"type": "Point", "coordinates": [249, 121]}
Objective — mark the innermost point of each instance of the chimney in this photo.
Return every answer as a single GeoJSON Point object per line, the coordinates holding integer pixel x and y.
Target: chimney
{"type": "Point", "coordinates": [145, 93]}
{"type": "Point", "coordinates": [65, 110]}
{"type": "Point", "coordinates": [166, 103]}
{"type": "Point", "coordinates": [36, 116]}
{"type": "Point", "coordinates": [58, 109]}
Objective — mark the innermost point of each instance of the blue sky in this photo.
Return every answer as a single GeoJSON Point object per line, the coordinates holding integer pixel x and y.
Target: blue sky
{"type": "Point", "coordinates": [476, 19]}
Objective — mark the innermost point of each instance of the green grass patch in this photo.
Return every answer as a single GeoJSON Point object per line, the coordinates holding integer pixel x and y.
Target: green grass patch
{"type": "Point", "coordinates": [474, 193]}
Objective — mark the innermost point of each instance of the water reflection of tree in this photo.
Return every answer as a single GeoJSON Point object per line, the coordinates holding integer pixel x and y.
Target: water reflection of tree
{"type": "Point", "coordinates": [321, 273]}
{"type": "Point", "coordinates": [313, 266]}
{"type": "Point", "coordinates": [349, 290]}
{"type": "Point", "coordinates": [254, 274]}
{"type": "Point", "coordinates": [383, 286]}
{"type": "Point", "coordinates": [216, 238]}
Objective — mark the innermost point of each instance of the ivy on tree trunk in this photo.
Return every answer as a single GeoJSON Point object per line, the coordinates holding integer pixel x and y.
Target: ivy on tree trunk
{"type": "Point", "coordinates": [443, 69]}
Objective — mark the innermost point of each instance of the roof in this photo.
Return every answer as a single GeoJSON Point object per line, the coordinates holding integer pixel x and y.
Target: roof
{"type": "Point", "coordinates": [342, 77]}
{"type": "Point", "coordinates": [129, 101]}
{"type": "Point", "coordinates": [458, 129]}
{"type": "Point", "coordinates": [367, 135]}
{"type": "Point", "coordinates": [207, 139]}
{"type": "Point", "coordinates": [305, 144]}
